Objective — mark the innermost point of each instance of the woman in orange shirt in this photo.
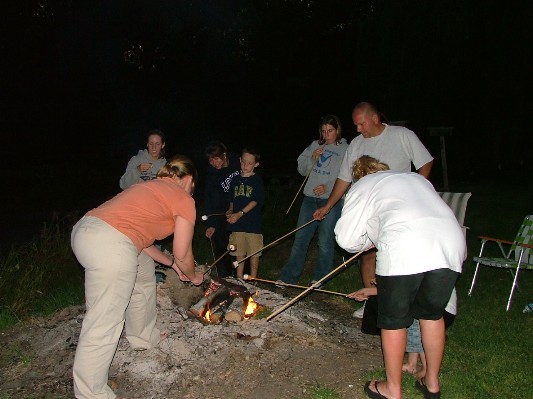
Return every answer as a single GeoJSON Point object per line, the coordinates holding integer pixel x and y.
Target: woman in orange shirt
{"type": "Point", "coordinates": [120, 289]}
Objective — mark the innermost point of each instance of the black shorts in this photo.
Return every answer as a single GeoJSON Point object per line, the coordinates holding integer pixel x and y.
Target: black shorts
{"type": "Point", "coordinates": [418, 296]}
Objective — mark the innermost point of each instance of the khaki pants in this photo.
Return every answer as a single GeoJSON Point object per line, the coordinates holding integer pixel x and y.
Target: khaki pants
{"type": "Point", "coordinates": [119, 285]}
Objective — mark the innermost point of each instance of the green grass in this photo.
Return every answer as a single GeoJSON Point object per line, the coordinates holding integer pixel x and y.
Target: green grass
{"type": "Point", "coordinates": [40, 277]}
{"type": "Point", "coordinates": [488, 350]}
{"type": "Point", "coordinates": [6, 396]}
{"type": "Point", "coordinates": [17, 354]}
{"type": "Point", "coordinates": [320, 392]}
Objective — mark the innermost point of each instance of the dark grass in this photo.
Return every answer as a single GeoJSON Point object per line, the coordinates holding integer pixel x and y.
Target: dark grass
{"type": "Point", "coordinates": [488, 352]}
{"type": "Point", "coordinates": [40, 277]}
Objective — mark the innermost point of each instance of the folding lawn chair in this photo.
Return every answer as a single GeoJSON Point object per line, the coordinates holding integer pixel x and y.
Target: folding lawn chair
{"type": "Point", "coordinates": [519, 256]}
{"type": "Point", "coordinates": [457, 202]}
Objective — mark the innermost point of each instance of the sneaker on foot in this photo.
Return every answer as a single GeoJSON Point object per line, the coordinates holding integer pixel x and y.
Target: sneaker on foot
{"type": "Point", "coordinates": [314, 281]}
{"type": "Point", "coordinates": [358, 314]}
{"type": "Point", "coordinates": [282, 286]}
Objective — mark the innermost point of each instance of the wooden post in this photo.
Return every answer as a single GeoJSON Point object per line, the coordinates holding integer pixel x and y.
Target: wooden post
{"type": "Point", "coordinates": [442, 132]}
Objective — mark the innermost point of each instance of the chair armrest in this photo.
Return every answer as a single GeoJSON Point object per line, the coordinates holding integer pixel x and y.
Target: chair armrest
{"type": "Point", "coordinates": [485, 238]}
{"type": "Point", "coordinates": [521, 244]}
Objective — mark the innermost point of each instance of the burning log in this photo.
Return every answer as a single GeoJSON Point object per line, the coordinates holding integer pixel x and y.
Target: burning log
{"type": "Point", "coordinates": [218, 297]}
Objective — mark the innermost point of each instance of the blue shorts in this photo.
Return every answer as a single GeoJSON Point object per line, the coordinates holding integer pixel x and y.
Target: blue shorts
{"type": "Point", "coordinates": [414, 338]}
{"type": "Point", "coordinates": [401, 299]}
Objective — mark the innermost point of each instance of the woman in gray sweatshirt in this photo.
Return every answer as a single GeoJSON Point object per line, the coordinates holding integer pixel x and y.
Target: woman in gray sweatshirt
{"type": "Point", "coordinates": [320, 161]}
{"type": "Point", "coordinates": [145, 165]}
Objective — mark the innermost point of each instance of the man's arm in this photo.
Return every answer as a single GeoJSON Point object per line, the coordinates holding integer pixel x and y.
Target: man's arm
{"type": "Point", "coordinates": [425, 169]}
{"type": "Point", "coordinates": [339, 188]}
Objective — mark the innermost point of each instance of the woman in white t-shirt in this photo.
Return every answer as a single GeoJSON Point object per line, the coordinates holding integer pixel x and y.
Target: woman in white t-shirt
{"type": "Point", "coordinates": [420, 251]}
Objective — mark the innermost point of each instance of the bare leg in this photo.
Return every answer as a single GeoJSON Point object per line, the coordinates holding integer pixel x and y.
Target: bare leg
{"type": "Point", "coordinates": [433, 337]}
{"type": "Point", "coordinates": [240, 268]}
{"type": "Point", "coordinates": [393, 344]}
{"type": "Point", "coordinates": [410, 366]}
{"type": "Point", "coordinates": [422, 372]}
{"type": "Point", "coordinates": [254, 265]}
{"type": "Point", "coordinates": [368, 268]}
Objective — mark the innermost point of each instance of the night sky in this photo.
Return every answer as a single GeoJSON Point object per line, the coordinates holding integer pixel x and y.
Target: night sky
{"type": "Point", "coordinates": [84, 81]}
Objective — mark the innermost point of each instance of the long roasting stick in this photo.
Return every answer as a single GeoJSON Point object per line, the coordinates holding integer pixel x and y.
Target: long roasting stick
{"type": "Point", "coordinates": [205, 217]}
{"type": "Point", "coordinates": [247, 277]}
{"type": "Point", "coordinates": [302, 186]}
{"type": "Point", "coordinates": [231, 247]}
{"type": "Point", "coordinates": [236, 263]}
{"type": "Point", "coordinates": [315, 285]}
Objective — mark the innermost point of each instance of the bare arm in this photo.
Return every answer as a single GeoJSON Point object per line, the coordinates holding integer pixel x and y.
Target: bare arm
{"type": "Point", "coordinates": [160, 257]}
{"type": "Point", "coordinates": [182, 251]}
{"type": "Point", "coordinates": [363, 293]}
{"type": "Point", "coordinates": [425, 169]}
{"type": "Point", "coordinates": [339, 188]}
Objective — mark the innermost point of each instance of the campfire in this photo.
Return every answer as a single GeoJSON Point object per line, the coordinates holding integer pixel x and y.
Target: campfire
{"type": "Point", "coordinates": [221, 301]}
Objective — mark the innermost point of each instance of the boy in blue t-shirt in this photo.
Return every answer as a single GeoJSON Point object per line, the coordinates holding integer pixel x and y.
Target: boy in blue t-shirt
{"type": "Point", "coordinates": [247, 195]}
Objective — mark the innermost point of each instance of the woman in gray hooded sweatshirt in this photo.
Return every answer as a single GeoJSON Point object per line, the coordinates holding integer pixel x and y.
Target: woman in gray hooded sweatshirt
{"type": "Point", "coordinates": [320, 161]}
{"type": "Point", "coordinates": [145, 165]}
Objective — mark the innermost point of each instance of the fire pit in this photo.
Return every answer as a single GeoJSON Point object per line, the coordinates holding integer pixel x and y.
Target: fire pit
{"type": "Point", "coordinates": [224, 300]}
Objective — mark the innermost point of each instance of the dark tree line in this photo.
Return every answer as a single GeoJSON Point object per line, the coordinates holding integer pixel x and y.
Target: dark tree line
{"type": "Point", "coordinates": [107, 71]}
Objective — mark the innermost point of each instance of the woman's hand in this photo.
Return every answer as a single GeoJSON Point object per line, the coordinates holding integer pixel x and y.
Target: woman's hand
{"type": "Point", "coordinates": [316, 153]}
{"type": "Point", "coordinates": [319, 190]}
{"type": "Point", "coordinates": [144, 167]}
{"type": "Point", "coordinates": [197, 279]}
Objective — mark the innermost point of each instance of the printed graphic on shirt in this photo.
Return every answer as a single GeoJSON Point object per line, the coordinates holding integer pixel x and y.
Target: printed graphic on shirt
{"type": "Point", "coordinates": [148, 174]}
{"type": "Point", "coordinates": [325, 159]}
{"type": "Point", "coordinates": [243, 190]}
{"type": "Point", "coordinates": [227, 182]}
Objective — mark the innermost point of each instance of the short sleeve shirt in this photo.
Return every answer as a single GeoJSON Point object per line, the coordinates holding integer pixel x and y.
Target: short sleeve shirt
{"type": "Point", "coordinates": [396, 146]}
{"type": "Point", "coordinates": [147, 211]}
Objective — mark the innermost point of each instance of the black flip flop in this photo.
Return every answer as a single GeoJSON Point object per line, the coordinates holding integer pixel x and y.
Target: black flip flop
{"type": "Point", "coordinates": [419, 384]}
{"type": "Point", "coordinates": [371, 394]}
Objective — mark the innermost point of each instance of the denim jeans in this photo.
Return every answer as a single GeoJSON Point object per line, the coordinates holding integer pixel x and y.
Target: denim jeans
{"type": "Point", "coordinates": [290, 273]}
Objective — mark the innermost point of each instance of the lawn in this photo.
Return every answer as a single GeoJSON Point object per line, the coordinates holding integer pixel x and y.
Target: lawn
{"type": "Point", "coordinates": [488, 351]}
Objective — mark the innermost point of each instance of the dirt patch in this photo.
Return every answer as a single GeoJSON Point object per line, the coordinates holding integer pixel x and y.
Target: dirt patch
{"type": "Point", "coordinates": [314, 343]}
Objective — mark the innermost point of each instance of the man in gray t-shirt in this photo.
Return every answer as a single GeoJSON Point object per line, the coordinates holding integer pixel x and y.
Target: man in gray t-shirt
{"type": "Point", "coordinates": [396, 146]}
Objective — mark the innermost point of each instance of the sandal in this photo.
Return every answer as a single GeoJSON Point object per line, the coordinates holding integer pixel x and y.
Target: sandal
{"type": "Point", "coordinates": [371, 394]}
{"type": "Point", "coordinates": [421, 386]}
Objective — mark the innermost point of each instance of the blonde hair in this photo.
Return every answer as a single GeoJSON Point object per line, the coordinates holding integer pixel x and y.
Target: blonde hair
{"type": "Point", "coordinates": [179, 166]}
{"type": "Point", "coordinates": [366, 165]}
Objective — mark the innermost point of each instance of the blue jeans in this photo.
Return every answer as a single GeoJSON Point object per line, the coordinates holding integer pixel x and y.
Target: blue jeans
{"type": "Point", "coordinates": [290, 273]}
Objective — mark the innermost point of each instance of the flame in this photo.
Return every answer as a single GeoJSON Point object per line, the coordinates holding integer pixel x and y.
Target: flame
{"type": "Point", "coordinates": [251, 308]}
{"type": "Point", "coordinates": [207, 315]}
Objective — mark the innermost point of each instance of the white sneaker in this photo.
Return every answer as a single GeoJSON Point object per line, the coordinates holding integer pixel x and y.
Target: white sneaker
{"type": "Point", "coordinates": [282, 285]}
{"type": "Point", "coordinates": [313, 282]}
{"type": "Point", "coordinates": [358, 314]}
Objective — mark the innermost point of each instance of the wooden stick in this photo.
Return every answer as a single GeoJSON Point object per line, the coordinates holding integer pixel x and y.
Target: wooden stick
{"type": "Point", "coordinates": [303, 183]}
{"type": "Point", "coordinates": [205, 217]}
{"type": "Point", "coordinates": [315, 285]}
{"type": "Point", "coordinates": [236, 263]}
{"type": "Point", "coordinates": [212, 248]}
{"type": "Point", "coordinates": [231, 247]}
{"type": "Point", "coordinates": [247, 277]}
{"type": "Point", "coordinates": [298, 192]}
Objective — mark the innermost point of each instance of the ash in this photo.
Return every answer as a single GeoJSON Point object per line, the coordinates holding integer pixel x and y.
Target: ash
{"type": "Point", "coordinates": [303, 347]}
